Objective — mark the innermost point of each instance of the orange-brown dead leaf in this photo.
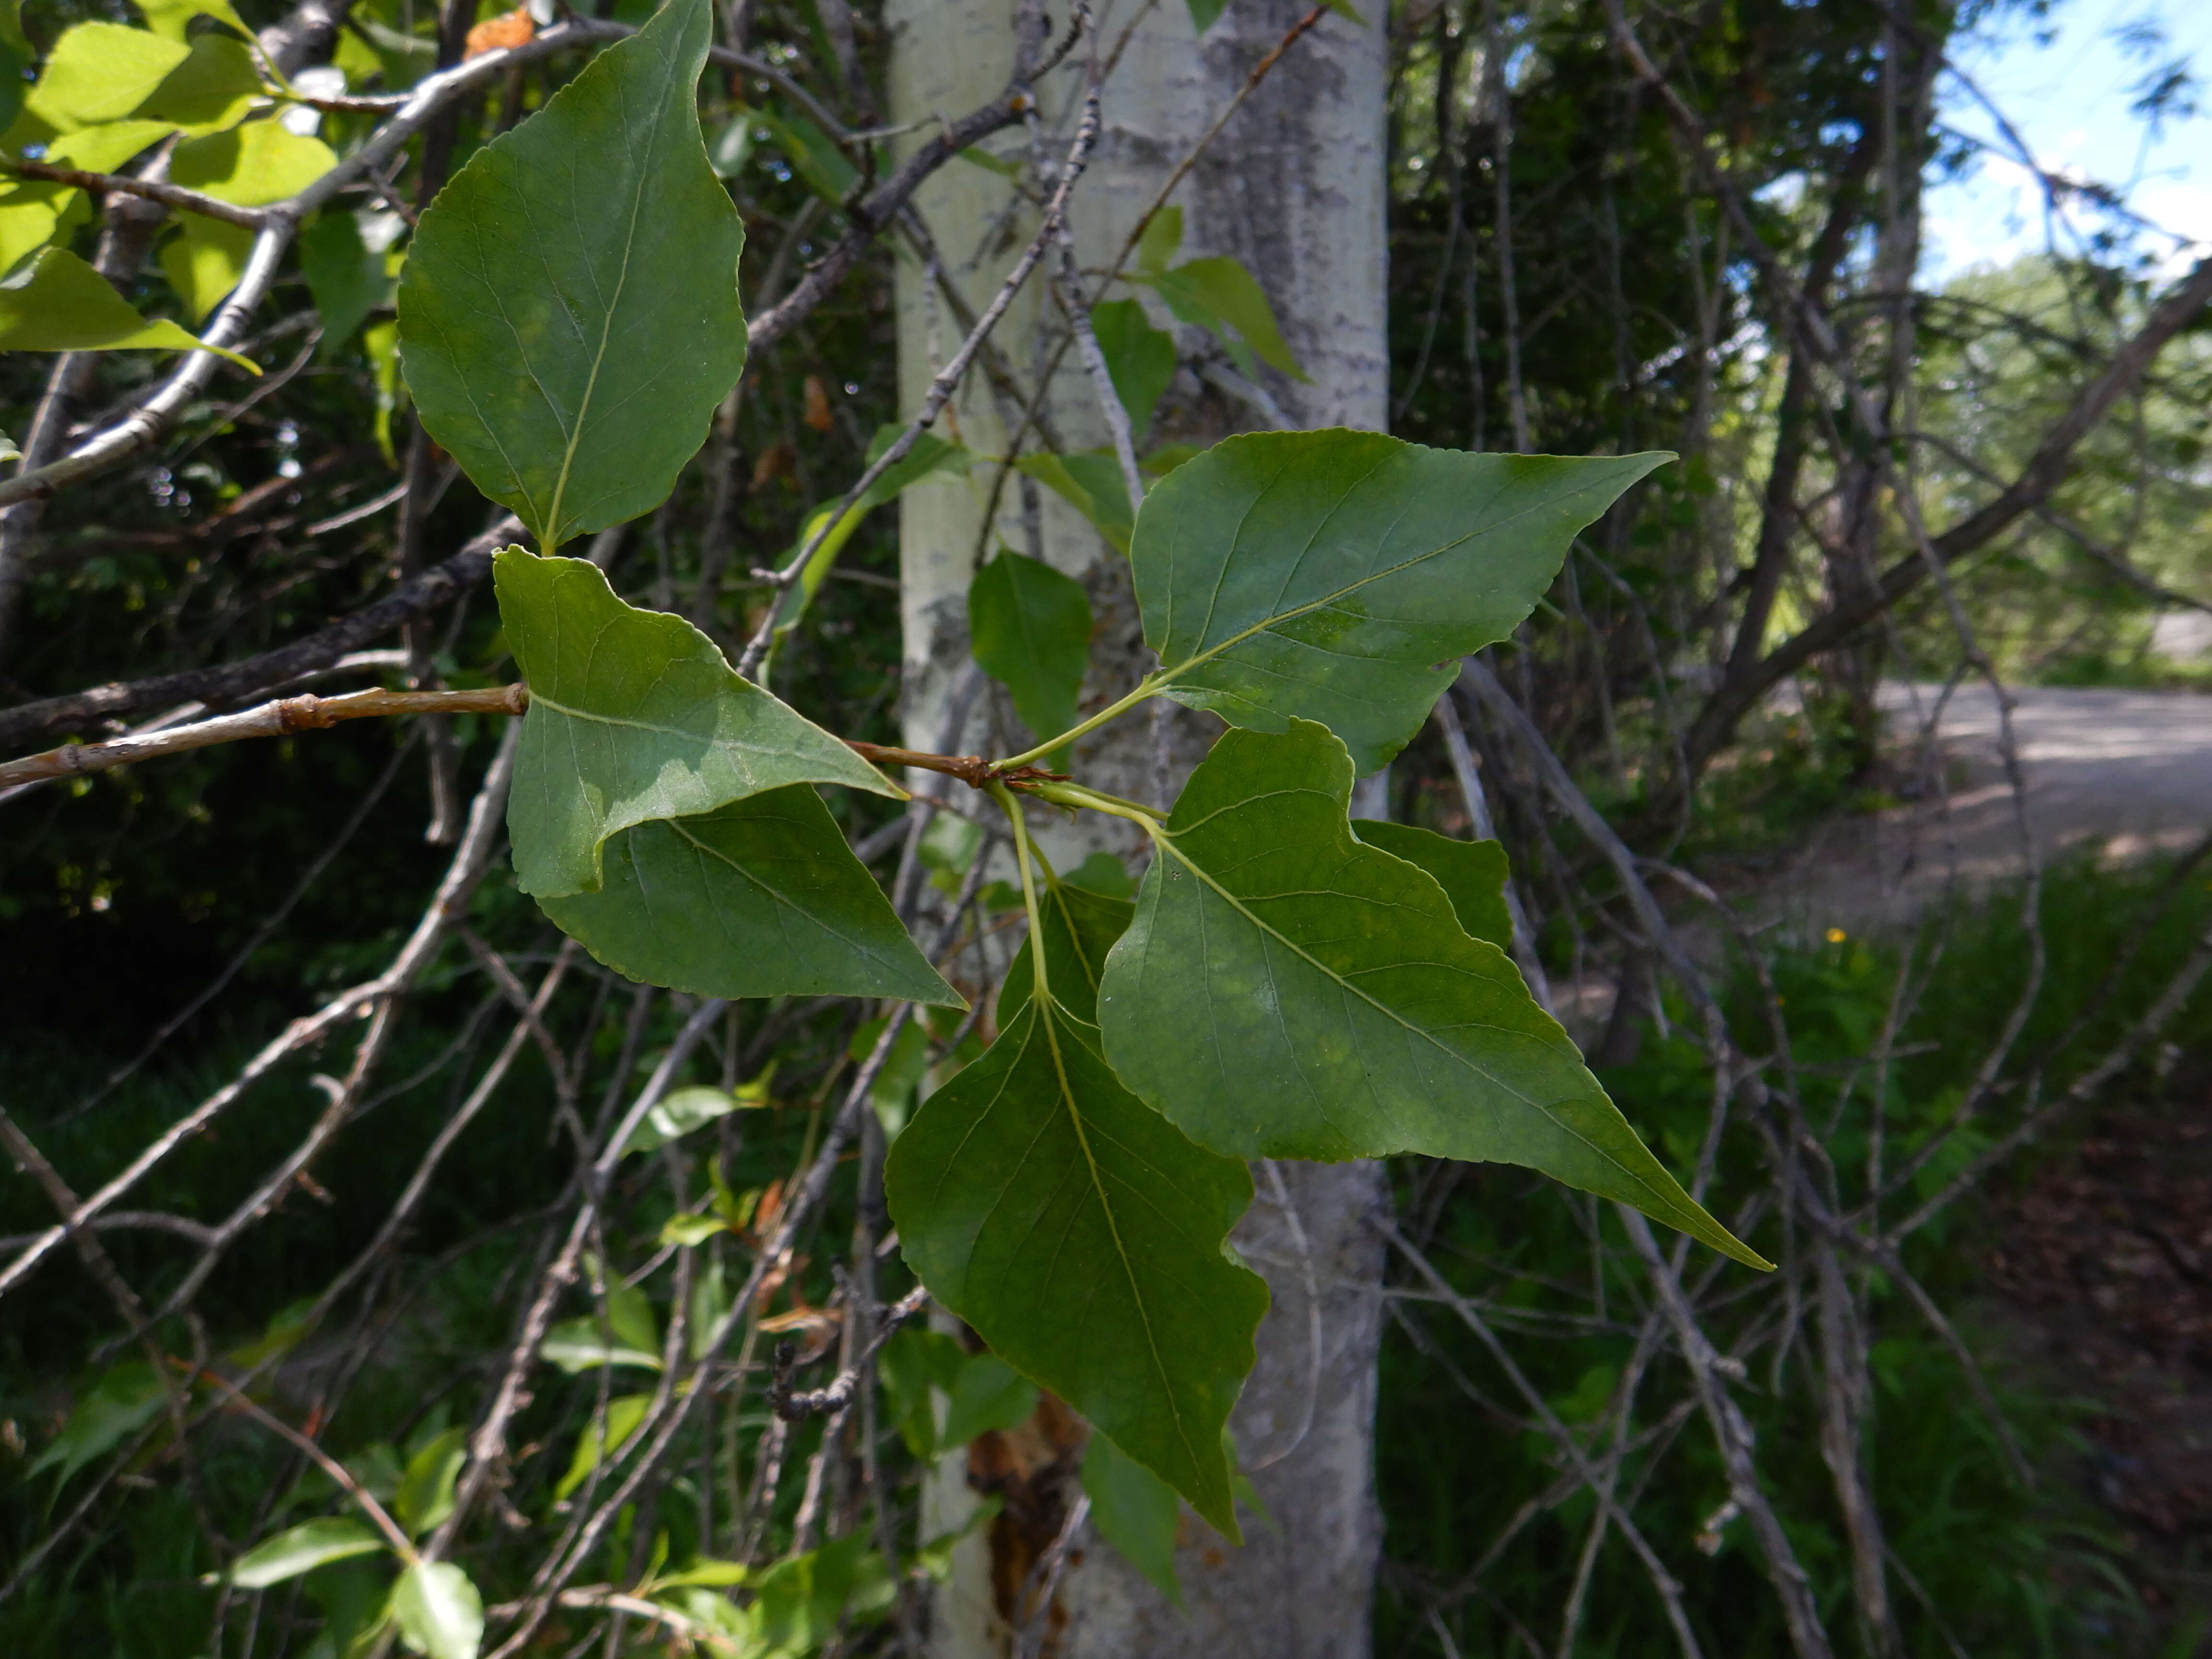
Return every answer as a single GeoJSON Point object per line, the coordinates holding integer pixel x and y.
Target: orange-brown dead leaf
{"type": "Point", "coordinates": [817, 414]}
{"type": "Point", "coordinates": [512, 28]}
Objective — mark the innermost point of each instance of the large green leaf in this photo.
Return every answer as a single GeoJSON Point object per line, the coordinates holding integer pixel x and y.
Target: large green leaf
{"type": "Point", "coordinates": [634, 715]}
{"type": "Point", "coordinates": [759, 898]}
{"type": "Point", "coordinates": [260, 162]}
{"type": "Point", "coordinates": [212, 89]}
{"type": "Point", "coordinates": [1090, 481]}
{"type": "Point", "coordinates": [1472, 872]}
{"type": "Point", "coordinates": [1339, 576]}
{"type": "Point", "coordinates": [438, 1610]}
{"type": "Point", "coordinates": [100, 72]}
{"type": "Point", "coordinates": [1286, 991]}
{"type": "Point", "coordinates": [1031, 626]}
{"type": "Point", "coordinates": [57, 302]}
{"type": "Point", "coordinates": [302, 1549]}
{"type": "Point", "coordinates": [1081, 1235]}
{"type": "Point", "coordinates": [568, 313]}
{"type": "Point", "coordinates": [426, 1491]}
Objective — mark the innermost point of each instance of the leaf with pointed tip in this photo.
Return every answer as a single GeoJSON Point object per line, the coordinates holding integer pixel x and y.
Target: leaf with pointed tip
{"type": "Point", "coordinates": [1135, 1511]}
{"type": "Point", "coordinates": [1090, 482]}
{"type": "Point", "coordinates": [303, 1548]}
{"type": "Point", "coordinates": [100, 72]}
{"type": "Point", "coordinates": [254, 165]}
{"type": "Point", "coordinates": [1140, 360]}
{"type": "Point", "coordinates": [1339, 576]}
{"type": "Point", "coordinates": [634, 715]}
{"type": "Point", "coordinates": [57, 302]}
{"type": "Point", "coordinates": [568, 313]}
{"type": "Point", "coordinates": [1031, 629]}
{"type": "Point", "coordinates": [1472, 873]}
{"type": "Point", "coordinates": [1081, 1235]}
{"type": "Point", "coordinates": [761, 898]}
{"type": "Point", "coordinates": [1222, 294]}
{"type": "Point", "coordinates": [1285, 991]}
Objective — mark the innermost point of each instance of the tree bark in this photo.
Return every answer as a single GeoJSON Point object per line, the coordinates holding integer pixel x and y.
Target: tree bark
{"type": "Point", "coordinates": [1294, 186]}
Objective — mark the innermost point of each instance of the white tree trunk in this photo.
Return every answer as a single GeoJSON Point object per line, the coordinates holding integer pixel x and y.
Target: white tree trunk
{"type": "Point", "coordinates": [1294, 188]}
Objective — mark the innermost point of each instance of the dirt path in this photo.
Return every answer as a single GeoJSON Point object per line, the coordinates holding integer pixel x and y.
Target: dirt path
{"type": "Point", "coordinates": [2129, 773]}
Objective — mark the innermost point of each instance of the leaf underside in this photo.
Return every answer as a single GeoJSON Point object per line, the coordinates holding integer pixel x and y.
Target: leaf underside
{"type": "Point", "coordinates": [1338, 576]}
{"type": "Point", "coordinates": [633, 716]}
{"type": "Point", "coordinates": [1286, 991]}
{"type": "Point", "coordinates": [758, 898]}
{"type": "Point", "coordinates": [1081, 1235]}
{"type": "Point", "coordinates": [568, 313]}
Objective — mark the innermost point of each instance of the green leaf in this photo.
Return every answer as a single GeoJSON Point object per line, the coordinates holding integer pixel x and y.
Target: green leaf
{"type": "Point", "coordinates": [1220, 293]}
{"type": "Point", "coordinates": [579, 1344]}
{"type": "Point", "coordinates": [125, 1400]}
{"type": "Point", "coordinates": [761, 898]}
{"type": "Point", "coordinates": [212, 90]}
{"type": "Point", "coordinates": [169, 18]}
{"type": "Point", "coordinates": [1135, 1511]}
{"type": "Point", "coordinates": [1339, 576]}
{"type": "Point", "coordinates": [705, 1572]}
{"type": "Point", "coordinates": [986, 1393]}
{"type": "Point", "coordinates": [1285, 992]}
{"type": "Point", "coordinates": [1031, 626]}
{"type": "Point", "coordinates": [303, 1548]}
{"type": "Point", "coordinates": [819, 163]}
{"type": "Point", "coordinates": [438, 1610]}
{"type": "Point", "coordinates": [16, 57]}
{"type": "Point", "coordinates": [33, 214]}
{"type": "Point", "coordinates": [1082, 1236]}
{"type": "Point", "coordinates": [1472, 873]}
{"type": "Point", "coordinates": [600, 1441]}
{"type": "Point", "coordinates": [802, 1600]}
{"type": "Point", "coordinates": [1080, 926]}
{"type": "Point", "coordinates": [203, 262]}
{"type": "Point", "coordinates": [1163, 237]}
{"type": "Point", "coordinates": [690, 1229]}
{"type": "Point", "coordinates": [633, 716]}
{"type": "Point", "coordinates": [344, 275]}
{"type": "Point", "coordinates": [105, 148]}
{"type": "Point", "coordinates": [258, 163]}
{"type": "Point", "coordinates": [426, 1491]}
{"type": "Point", "coordinates": [1091, 484]}
{"type": "Point", "coordinates": [568, 315]}
{"type": "Point", "coordinates": [676, 1113]}
{"type": "Point", "coordinates": [57, 302]}
{"type": "Point", "coordinates": [911, 1365]}
{"type": "Point", "coordinates": [1139, 358]}
{"type": "Point", "coordinates": [100, 72]}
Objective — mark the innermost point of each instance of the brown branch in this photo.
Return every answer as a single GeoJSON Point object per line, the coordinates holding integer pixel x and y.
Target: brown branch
{"type": "Point", "coordinates": [971, 769]}
{"type": "Point", "coordinates": [271, 720]}
{"type": "Point", "coordinates": [418, 596]}
{"type": "Point", "coordinates": [154, 190]}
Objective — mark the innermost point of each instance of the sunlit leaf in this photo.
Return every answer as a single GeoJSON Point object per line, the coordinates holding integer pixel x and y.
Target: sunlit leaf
{"type": "Point", "coordinates": [210, 91]}
{"type": "Point", "coordinates": [254, 165]}
{"type": "Point", "coordinates": [600, 1441]}
{"type": "Point", "coordinates": [33, 214]}
{"type": "Point", "coordinates": [100, 72]}
{"type": "Point", "coordinates": [425, 1496]}
{"type": "Point", "coordinates": [57, 302]}
{"type": "Point", "coordinates": [438, 1610]}
{"type": "Point", "coordinates": [1285, 992]}
{"type": "Point", "coordinates": [569, 313]}
{"type": "Point", "coordinates": [1339, 576]}
{"type": "Point", "coordinates": [303, 1548]}
{"type": "Point", "coordinates": [203, 261]}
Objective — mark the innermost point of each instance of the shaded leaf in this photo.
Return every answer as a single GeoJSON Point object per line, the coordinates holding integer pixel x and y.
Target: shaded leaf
{"type": "Point", "coordinates": [814, 156]}
{"type": "Point", "coordinates": [891, 1095]}
{"type": "Point", "coordinates": [1139, 358]}
{"type": "Point", "coordinates": [1221, 295]}
{"type": "Point", "coordinates": [106, 148]}
{"type": "Point", "coordinates": [761, 898]}
{"type": "Point", "coordinates": [1285, 991]}
{"type": "Point", "coordinates": [1338, 576]}
{"type": "Point", "coordinates": [633, 716]}
{"type": "Point", "coordinates": [631, 1336]}
{"type": "Point", "coordinates": [914, 1366]}
{"type": "Point", "coordinates": [802, 1600]}
{"type": "Point", "coordinates": [677, 1113]}
{"type": "Point", "coordinates": [1080, 925]}
{"type": "Point", "coordinates": [1081, 1235]}
{"type": "Point", "coordinates": [302, 1548]}
{"type": "Point", "coordinates": [425, 1496]}
{"type": "Point", "coordinates": [986, 1393]}
{"type": "Point", "coordinates": [600, 1441]}
{"type": "Point", "coordinates": [1135, 1511]}
{"type": "Point", "coordinates": [345, 275]}
{"type": "Point", "coordinates": [1030, 627]}
{"type": "Point", "coordinates": [438, 1610]}
{"type": "Point", "coordinates": [1472, 873]}
{"type": "Point", "coordinates": [1091, 484]}
{"type": "Point", "coordinates": [57, 302]}
{"type": "Point", "coordinates": [1163, 237]}
{"type": "Point", "coordinates": [32, 214]}
{"type": "Point", "coordinates": [124, 1401]}
{"type": "Point", "coordinates": [569, 314]}
{"type": "Point", "coordinates": [211, 90]}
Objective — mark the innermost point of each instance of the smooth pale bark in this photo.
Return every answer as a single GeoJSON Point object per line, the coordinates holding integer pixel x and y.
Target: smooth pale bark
{"type": "Point", "coordinates": [1294, 188]}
